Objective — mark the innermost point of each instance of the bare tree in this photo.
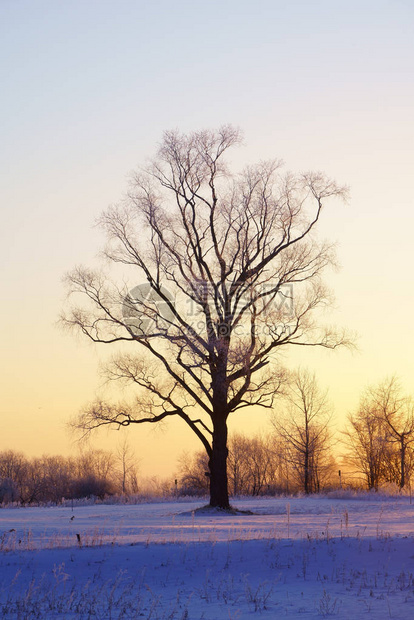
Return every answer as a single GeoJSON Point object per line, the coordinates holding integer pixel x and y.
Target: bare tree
{"type": "Point", "coordinates": [34, 484]}
{"type": "Point", "coordinates": [13, 469]}
{"type": "Point", "coordinates": [219, 254]}
{"type": "Point", "coordinates": [193, 473]}
{"type": "Point", "coordinates": [259, 464]}
{"type": "Point", "coordinates": [96, 462]}
{"type": "Point", "coordinates": [238, 469]}
{"type": "Point", "coordinates": [250, 464]}
{"type": "Point", "coordinates": [304, 428]}
{"type": "Point", "coordinates": [127, 468]}
{"type": "Point", "coordinates": [57, 473]}
{"type": "Point", "coordinates": [397, 411]}
{"type": "Point", "coordinates": [366, 438]}
{"type": "Point", "coordinates": [283, 479]}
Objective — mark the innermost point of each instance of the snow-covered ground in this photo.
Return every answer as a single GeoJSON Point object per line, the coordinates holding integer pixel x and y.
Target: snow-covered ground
{"type": "Point", "coordinates": [292, 557]}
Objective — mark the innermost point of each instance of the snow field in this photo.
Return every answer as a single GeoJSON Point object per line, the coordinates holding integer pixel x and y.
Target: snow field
{"type": "Point", "coordinates": [294, 557]}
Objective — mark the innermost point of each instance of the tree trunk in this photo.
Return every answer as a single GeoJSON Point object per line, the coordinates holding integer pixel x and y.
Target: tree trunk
{"type": "Point", "coordinates": [219, 495]}
{"type": "Point", "coordinates": [307, 456]}
{"type": "Point", "coordinates": [402, 455]}
{"type": "Point", "coordinates": [306, 473]}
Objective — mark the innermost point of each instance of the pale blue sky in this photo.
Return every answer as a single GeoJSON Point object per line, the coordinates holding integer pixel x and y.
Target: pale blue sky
{"type": "Point", "coordinates": [87, 87]}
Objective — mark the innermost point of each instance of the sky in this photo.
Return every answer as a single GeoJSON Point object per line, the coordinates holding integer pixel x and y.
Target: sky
{"type": "Point", "coordinates": [87, 89]}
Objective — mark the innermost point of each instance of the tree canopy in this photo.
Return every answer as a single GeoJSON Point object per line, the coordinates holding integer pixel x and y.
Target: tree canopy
{"type": "Point", "coordinates": [231, 273]}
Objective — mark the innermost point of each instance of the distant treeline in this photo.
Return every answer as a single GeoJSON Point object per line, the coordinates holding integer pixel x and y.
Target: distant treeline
{"type": "Point", "coordinates": [267, 465]}
{"type": "Point", "coordinates": [376, 447]}
{"type": "Point", "coordinates": [95, 473]}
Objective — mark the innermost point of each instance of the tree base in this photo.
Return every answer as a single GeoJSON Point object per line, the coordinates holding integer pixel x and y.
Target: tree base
{"type": "Point", "coordinates": [211, 510]}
